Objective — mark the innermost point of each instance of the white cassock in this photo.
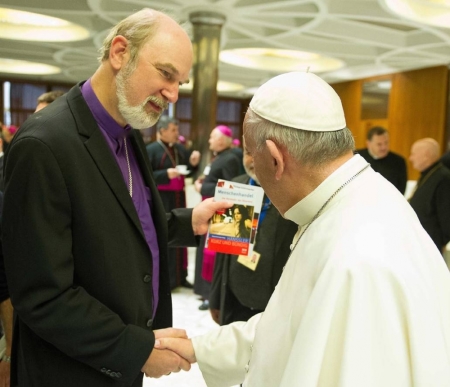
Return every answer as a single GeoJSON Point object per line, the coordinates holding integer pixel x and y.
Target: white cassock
{"type": "Point", "coordinates": [364, 300]}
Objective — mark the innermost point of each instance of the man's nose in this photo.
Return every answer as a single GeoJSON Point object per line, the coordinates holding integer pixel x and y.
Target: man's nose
{"type": "Point", "coordinates": [170, 93]}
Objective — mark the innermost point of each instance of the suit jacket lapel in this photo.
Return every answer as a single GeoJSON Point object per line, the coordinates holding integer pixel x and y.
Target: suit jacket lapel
{"type": "Point", "coordinates": [101, 154]}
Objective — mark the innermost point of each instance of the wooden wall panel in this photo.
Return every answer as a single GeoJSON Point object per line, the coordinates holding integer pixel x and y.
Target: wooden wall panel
{"type": "Point", "coordinates": [417, 109]}
{"type": "Point", "coordinates": [350, 94]}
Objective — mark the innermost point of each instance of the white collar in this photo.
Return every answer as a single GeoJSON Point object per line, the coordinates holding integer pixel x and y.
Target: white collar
{"type": "Point", "coordinates": [302, 212]}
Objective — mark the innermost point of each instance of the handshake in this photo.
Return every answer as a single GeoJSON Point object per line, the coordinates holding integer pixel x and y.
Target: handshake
{"type": "Point", "coordinates": [173, 352]}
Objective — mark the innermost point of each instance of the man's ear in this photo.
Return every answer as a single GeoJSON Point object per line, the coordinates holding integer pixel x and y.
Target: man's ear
{"type": "Point", "coordinates": [277, 158]}
{"type": "Point", "coordinates": [119, 53]}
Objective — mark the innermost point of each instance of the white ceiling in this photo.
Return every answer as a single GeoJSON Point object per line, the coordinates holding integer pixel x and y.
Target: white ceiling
{"type": "Point", "coordinates": [366, 37]}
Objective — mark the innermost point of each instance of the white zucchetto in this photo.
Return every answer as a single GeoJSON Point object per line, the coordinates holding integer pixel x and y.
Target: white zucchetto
{"type": "Point", "coordinates": [300, 100]}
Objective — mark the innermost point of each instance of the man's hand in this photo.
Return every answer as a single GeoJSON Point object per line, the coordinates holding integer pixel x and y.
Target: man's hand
{"type": "Point", "coordinates": [215, 314]}
{"type": "Point", "coordinates": [170, 332]}
{"type": "Point", "coordinates": [204, 211]}
{"type": "Point", "coordinates": [182, 347]}
{"type": "Point", "coordinates": [194, 158]}
{"type": "Point", "coordinates": [172, 173]}
{"type": "Point", "coordinates": [198, 185]}
{"type": "Point", "coordinates": [163, 362]}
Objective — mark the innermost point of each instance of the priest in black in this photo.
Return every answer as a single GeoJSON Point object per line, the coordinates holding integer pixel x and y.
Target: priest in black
{"type": "Point", "coordinates": [445, 159]}
{"type": "Point", "coordinates": [224, 165]}
{"type": "Point", "coordinates": [388, 164]}
{"type": "Point", "coordinates": [166, 155]}
{"type": "Point", "coordinates": [431, 197]}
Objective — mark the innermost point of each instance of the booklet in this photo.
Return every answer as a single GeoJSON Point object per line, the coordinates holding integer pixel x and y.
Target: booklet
{"type": "Point", "coordinates": [233, 231]}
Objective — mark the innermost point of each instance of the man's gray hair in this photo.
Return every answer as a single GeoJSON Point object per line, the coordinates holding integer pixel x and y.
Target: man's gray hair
{"type": "Point", "coordinates": [307, 147]}
{"type": "Point", "coordinates": [137, 28]}
{"type": "Point", "coordinates": [164, 122]}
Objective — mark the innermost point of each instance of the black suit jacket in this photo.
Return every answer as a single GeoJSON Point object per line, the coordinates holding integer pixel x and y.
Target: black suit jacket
{"type": "Point", "coordinates": [431, 202]}
{"type": "Point", "coordinates": [78, 265]}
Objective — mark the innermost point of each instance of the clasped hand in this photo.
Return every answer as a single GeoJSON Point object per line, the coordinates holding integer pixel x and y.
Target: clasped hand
{"type": "Point", "coordinates": [173, 352]}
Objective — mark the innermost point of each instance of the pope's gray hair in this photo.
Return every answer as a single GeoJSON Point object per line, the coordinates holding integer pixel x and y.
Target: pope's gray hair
{"type": "Point", "coordinates": [307, 147]}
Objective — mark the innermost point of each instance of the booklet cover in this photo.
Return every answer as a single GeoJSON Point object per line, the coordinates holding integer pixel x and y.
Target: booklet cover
{"type": "Point", "coordinates": [233, 231]}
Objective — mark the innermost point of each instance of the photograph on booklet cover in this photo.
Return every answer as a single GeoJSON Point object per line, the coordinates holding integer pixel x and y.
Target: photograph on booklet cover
{"type": "Point", "coordinates": [233, 231]}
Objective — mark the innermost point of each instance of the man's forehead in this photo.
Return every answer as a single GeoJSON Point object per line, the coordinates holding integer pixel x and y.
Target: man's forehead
{"type": "Point", "coordinates": [382, 136]}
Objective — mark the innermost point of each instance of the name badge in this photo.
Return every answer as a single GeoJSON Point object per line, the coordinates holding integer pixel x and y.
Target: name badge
{"type": "Point", "coordinates": [251, 261]}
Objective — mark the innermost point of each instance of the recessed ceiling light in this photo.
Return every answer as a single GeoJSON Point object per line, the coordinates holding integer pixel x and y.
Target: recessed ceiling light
{"type": "Point", "coordinates": [433, 12]}
{"type": "Point", "coordinates": [21, 25]}
{"type": "Point", "coordinates": [279, 60]}
{"type": "Point", "coordinates": [12, 66]}
{"type": "Point", "coordinates": [222, 86]}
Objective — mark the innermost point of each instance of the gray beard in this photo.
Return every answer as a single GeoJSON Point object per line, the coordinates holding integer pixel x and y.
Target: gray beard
{"type": "Point", "coordinates": [135, 116]}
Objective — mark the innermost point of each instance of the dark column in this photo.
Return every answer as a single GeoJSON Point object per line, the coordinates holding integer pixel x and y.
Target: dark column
{"type": "Point", "coordinates": [206, 28]}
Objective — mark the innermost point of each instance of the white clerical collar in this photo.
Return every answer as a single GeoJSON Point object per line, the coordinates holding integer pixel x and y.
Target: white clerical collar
{"type": "Point", "coordinates": [372, 155]}
{"type": "Point", "coordinates": [303, 212]}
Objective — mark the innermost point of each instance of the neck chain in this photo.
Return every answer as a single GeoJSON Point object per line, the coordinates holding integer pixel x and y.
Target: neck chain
{"type": "Point", "coordinates": [130, 176]}
{"type": "Point", "coordinates": [326, 203]}
{"type": "Point", "coordinates": [174, 161]}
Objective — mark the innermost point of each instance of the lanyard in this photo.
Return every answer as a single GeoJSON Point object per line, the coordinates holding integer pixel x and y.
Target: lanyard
{"type": "Point", "coordinates": [265, 205]}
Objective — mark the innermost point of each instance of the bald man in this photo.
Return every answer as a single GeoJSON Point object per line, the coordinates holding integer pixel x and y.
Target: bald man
{"type": "Point", "coordinates": [431, 198]}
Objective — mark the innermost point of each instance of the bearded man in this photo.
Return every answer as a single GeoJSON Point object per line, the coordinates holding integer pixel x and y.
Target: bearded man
{"type": "Point", "coordinates": [85, 233]}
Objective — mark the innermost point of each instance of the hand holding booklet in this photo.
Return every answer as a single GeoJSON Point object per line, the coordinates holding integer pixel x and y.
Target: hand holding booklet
{"type": "Point", "coordinates": [233, 231]}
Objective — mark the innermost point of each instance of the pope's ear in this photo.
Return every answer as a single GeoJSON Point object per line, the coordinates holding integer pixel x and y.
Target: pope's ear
{"type": "Point", "coordinates": [118, 52]}
{"type": "Point", "coordinates": [277, 158]}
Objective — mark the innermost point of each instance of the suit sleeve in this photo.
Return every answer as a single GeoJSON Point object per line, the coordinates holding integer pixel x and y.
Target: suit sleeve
{"type": "Point", "coordinates": [181, 233]}
{"type": "Point", "coordinates": [37, 241]}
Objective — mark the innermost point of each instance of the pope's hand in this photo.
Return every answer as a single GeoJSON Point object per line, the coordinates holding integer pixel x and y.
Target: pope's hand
{"type": "Point", "coordinates": [170, 332]}
{"type": "Point", "coordinates": [182, 347]}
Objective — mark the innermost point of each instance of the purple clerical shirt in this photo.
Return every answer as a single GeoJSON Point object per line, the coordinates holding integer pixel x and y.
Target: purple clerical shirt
{"type": "Point", "coordinates": [114, 135]}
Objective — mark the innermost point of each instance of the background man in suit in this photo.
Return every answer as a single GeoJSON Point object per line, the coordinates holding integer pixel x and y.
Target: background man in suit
{"type": "Point", "coordinates": [85, 234]}
{"type": "Point", "coordinates": [431, 196]}
{"type": "Point", "coordinates": [388, 164]}
{"type": "Point", "coordinates": [237, 291]}
{"type": "Point", "coordinates": [47, 98]}
{"type": "Point", "coordinates": [165, 154]}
